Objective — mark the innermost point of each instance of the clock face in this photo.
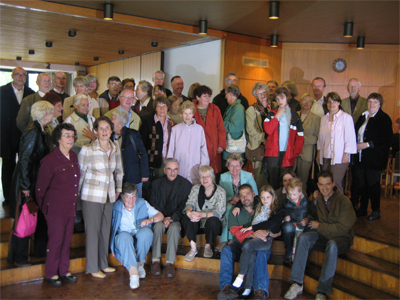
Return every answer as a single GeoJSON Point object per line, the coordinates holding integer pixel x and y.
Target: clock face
{"type": "Point", "coordinates": [339, 65]}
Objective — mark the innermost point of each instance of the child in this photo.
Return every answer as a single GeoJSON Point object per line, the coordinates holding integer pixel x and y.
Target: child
{"type": "Point", "coordinates": [188, 144]}
{"type": "Point", "coordinates": [298, 211]}
{"type": "Point", "coordinates": [265, 218]}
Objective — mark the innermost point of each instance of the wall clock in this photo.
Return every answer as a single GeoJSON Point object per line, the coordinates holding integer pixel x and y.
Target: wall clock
{"type": "Point", "coordinates": [339, 65]}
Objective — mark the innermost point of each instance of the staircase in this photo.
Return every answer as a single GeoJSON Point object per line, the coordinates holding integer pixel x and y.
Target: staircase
{"type": "Point", "coordinates": [370, 270]}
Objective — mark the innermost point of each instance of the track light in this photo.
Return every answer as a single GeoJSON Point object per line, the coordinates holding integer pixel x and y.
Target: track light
{"type": "Point", "coordinates": [203, 27]}
{"type": "Point", "coordinates": [274, 10]}
{"type": "Point", "coordinates": [348, 29]}
{"type": "Point", "coordinates": [108, 11]}
{"type": "Point", "coordinates": [274, 40]}
{"type": "Point", "coordinates": [72, 33]}
{"type": "Point", "coordinates": [49, 44]}
{"type": "Point", "coordinates": [31, 52]}
{"type": "Point", "coordinates": [96, 58]}
{"type": "Point", "coordinates": [154, 44]}
{"type": "Point", "coordinates": [120, 52]}
{"type": "Point", "coordinates": [19, 58]}
{"type": "Point", "coordinates": [77, 63]}
{"type": "Point", "coordinates": [360, 42]}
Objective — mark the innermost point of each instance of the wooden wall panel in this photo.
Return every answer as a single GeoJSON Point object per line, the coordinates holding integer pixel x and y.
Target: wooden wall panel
{"type": "Point", "coordinates": [248, 76]}
{"type": "Point", "coordinates": [150, 63]}
{"type": "Point", "coordinates": [92, 69]}
{"type": "Point", "coordinates": [377, 68]}
{"type": "Point", "coordinates": [117, 69]}
{"type": "Point", "coordinates": [132, 68]}
{"type": "Point", "coordinates": [103, 72]}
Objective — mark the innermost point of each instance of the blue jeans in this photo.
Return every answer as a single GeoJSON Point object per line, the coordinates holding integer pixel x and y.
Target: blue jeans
{"type": "Point", "coordinates": [288, 233]}
{"type": "Point", "coordinates": [332, 248]}
{"type": "Point", "coordinates": [231, 254]}
{"type": "Point", "coordinates": [139, 189]}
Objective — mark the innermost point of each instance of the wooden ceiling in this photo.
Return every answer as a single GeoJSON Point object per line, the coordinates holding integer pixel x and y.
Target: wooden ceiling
{"type": "Point", "coordinates": [28, 24]}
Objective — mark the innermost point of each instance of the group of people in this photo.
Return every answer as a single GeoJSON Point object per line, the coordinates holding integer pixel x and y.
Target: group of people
{"type": "Point", "coordinates": [95, 159]}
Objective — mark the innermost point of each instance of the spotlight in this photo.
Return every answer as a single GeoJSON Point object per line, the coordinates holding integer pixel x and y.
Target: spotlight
{"type": "Point", "coordinates": [203, 27]}
{"type": "Point", "coordinates": [19, 58]}
{"type": "Point", "coordinates": [77, 63]}
{"type": "Point", "coordinates": [108, 11]}
{"type": "Point", "coordinates": [120, 52]}
{"type": "Point", "coordinates": [49, 44]}
{"type": "Point", "coordinates": [274, 40]}
{"type": "Point", "coordinates": [274, 10]}
{"type": "Point", "coordinates": [154, 44]}
{"type": "Point", "coordinates": [96, 58]}
{"type": "Point", "coordinates": [31, 52]}
{"type": "Point", "coordinates": [348, 29]}
{"type": "Point", "coordinates": [72, 33]}
{"type": "Point", "coordinates": [360, 42]}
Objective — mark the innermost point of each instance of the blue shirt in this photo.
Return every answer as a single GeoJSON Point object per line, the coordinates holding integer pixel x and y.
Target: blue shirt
{"type": "Point", "coordinates": [128, 222]}
{"type": "Point", "coordinates": [284, 128]}
{"type": "Point", "coordinates": [130, 116]}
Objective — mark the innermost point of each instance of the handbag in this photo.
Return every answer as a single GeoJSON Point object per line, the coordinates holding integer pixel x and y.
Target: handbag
{"type": "Point", "coordinates": [256, 154]}
{"type": "Point", "coordinates": [236, 146]}
{"type": "Point", "coordinates": [27, 220]}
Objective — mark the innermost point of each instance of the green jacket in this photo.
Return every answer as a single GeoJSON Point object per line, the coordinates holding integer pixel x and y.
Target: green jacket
{"type": "Point", "coordinates": [243, 219]}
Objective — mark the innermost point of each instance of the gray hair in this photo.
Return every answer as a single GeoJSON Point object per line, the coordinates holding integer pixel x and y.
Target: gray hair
{"type": "Point", "coordinates": [40, 109]}
{"type": "Point", "coordinates": [234, 89]}
{"type": "Point", "coordinates": [291, 86]}
{"type": "Point", "coordinates": [207, 170]}
{"type": "Point", "coordinates": [128, 188]}
{"type": "Point", "coordinates": [359, 83]}
{"type": "Point", "coordinates": [121, 116]}
{"type": "Point", "coordinates": [307, 95]}
{"type": "Point", "coordinates": [259, 86]}
{"type": "Point", "coordinates": [81, 80]}
{"type": "Point", "coordinates": [77, 99]}
{"type": "Point", "coordinates": [146, 87]}
{"type": "Point", "coordinates": [230, 74]}
{"type": "Point", "coordinates": [92, 77]}
{"type": "Point", "coordinates": [160, 72]}
{"type": "Point", "coordinates": [234, 157]}
{"type": "Point", "coordinates": [170, 160]}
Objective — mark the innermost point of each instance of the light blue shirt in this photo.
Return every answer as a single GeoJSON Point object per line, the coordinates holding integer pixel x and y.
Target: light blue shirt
{"type": "Point", "coordinates": [128, 220]}
{"type": "Point", "coordinates": [130, 116]}
{"type": "Point", "coordinates": [284, 128]}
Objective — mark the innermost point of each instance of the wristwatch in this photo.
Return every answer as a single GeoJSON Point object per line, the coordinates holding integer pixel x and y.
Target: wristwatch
{"type": "Point", "coordinates": [268, 232]}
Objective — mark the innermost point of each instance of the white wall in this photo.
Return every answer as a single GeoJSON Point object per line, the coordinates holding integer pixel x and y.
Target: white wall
{"type": "Point", "coordinates": [197, 63]}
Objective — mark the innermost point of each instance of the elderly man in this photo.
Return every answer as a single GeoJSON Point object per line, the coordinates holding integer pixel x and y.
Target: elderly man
{"type": "Point", "coordinates": [168, 195]}
{"type": "Point", "coordinates": [131, 232]}
{"type": "Point", "coordinates": [11, 96]}
{"type": "Point", "coordinates": [231, 253]}
{"type": "Point", "coordinates": [318, 87]}
{"type": "Point", "coordinates": [177, 88]}
{"type": "Point", "coordinates": [332, 234]}
{"type": "Point", "coordinates": [81, 85]}
{"type": "Point", "coordinates": [24, 114]}
{"type": "Point", "coordinates": [272, 85]}
{"type": "Point", "coordinates": [109, 99]}
{"type": "Point", "coordinates": [220, 99]}
{"type": "Point", "coordinates": [134, 156]}
{"type": "Point", "coordinates": [127, 101]}
{"type": "Point", "coordinates": [159, 79]}
{"type": "Point", "coordinates": [145, 106]}
{"type": "Point", "coordinates": [60, 81]}
{"type": "Point", "coordinates": [354, 105]}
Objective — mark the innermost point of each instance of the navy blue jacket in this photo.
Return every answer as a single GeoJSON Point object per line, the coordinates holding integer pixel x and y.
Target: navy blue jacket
{"type": "Point", "coordinates": [306, 208]}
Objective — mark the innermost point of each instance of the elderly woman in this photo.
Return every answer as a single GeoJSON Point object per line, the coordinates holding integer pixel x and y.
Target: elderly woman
{"type": "Point", "coordinates": [231, 181]}
{"type": "Point", "coordinates": [82, 121]}
{"type": "Point", "coordinates": [374, 135]}
{"type": "Point", "coordinates": [145, 106]}
{"type": "Point", "coordinates": [205, 208]}
{"type": "Point", "coordinates": [131, 232]}
{"type": "Point", "coordinates": [255, 115]}
{"type": "Point", "coordinates": [174, 115]}
{"type": "Point", "coordinates": [336, 140]}
{"type": "Point", "coordinates": [100, 186]}
{"type": "Point", "coordinates": [291, 86]}
{"type": "Point", "coordinates": [93, 85]}
{"type": "Point", "coordinates": [81, 85]}
{"type": "Point", "coordinates": [56, 101]}
{"type": "Point", "coordinates": [156, 132]}
{"type": "Point", "coordinates": [57, 195]}
{"type": "Point", "coordinates": [134, 156]}
{"type": "Point", "coordinates": [209, 117]}
{"type": "Point", "coordinates": [129, 83]}
{"type": "Point", "coordinates": [311, 123]}
{"type": "Point", "coordinates": [234, 122]}
{"type": "Point", "coordinates": [188, 144]}
{"type": "Point", "coordinates": [285, 137]}
{"type": "Point", "coordinates": [32, 149]}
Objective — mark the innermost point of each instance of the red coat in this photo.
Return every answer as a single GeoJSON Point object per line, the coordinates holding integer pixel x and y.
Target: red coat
{"type": "Point", "coordinates": [295, 142]}
{"type": "Point", "coordinates": [215, 134]}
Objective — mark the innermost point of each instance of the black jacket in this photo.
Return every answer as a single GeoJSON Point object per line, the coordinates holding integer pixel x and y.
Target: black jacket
{"type": "Point", "coordinates": [32, 149]}
{"type": "Point", "coordinates": [222, 104]}
{"type": "Point", "coordinates": [147, 111]}
{"type": "Point", "coordinates": [306, 208]}
{"type": "Point", "coordinates": [9, 107]}
{"type": "Point", "coordinates": [135, 168]}
{"type": "Point", "coordinates": [179, 196]}
{"type": "Point", "coordinates": [378, 134]}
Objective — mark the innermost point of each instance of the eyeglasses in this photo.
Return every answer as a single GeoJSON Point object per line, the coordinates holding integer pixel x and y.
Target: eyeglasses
{"type": "Point", "coordinates": [262, 92]}
{"type": "Point", "coordinates": [116, 84]}
{"type": "Point", "coordinates": [19, 74]}
{"type": "Point", "coordinates": [172, 170]}
{"type": "Point", "coordinates": [205, 176]}
{"type": "Point", "coordinates": [162, 107]}
{"type": "Point", "coordinates": [129, 98]}
{"type": "Point", "coordinates": [68, 136]}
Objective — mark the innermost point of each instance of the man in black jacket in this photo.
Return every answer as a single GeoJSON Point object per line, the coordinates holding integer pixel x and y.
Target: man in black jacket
{"type": "Point", "coordinates": [168, 195]}
{"type": "Point", "coordinates": [11, 96]}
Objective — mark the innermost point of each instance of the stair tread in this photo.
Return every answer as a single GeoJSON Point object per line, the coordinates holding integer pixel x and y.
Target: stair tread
{"type": "Point", "coordinates": [350, 286]}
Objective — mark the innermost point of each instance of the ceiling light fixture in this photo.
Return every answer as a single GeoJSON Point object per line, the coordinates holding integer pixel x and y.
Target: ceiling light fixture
{"type": "Point", "coordinates": [108, 11]}
{"type": "Point", "coordinates": [274, 10]}
{"type": "Point", "coordinates": [72, 33]}
{"type": "Point", "coordinates": [203, 27]}
{"type": "Point", "coordinates": [360, 42]}
{"type": "Point", "coordinates": [154, 44]}
{"type": "Point", "coordinates": [19, 58]}
{"type": "Point", "coordinates": [120, 52]}
{"type": "Point", "coordinates": [31, 52]}
{"type": "Point", "coordinates": [274, 40]}
{"type": "Point", "coordinates": [348, 29]}
{"type": "Point", "coordinates": [96, 58]}
{"type": "Point", "coordinates": [49, 44]}
{"type": "Point", "coordinates": [77, 63]}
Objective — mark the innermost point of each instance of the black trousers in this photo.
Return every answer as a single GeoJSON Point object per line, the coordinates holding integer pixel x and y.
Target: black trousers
{"type": "Point", "coordinates": [369, 187]}
{"type": "Point", "coordinates": [275, 169]}
{"type": "Point", "coordinates": [211, 230]}
{"type": "Point", "coordinates": [7, 171]}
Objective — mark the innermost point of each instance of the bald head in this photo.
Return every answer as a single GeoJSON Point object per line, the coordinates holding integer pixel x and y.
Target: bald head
{"type": "Point", "coordinates": [19, 78]}
{"type": "Point", "coordinates": [60, 80]}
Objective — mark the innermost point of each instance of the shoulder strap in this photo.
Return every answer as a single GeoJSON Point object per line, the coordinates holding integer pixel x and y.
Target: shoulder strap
{"type": "Point", "coordinates": [133, 143]}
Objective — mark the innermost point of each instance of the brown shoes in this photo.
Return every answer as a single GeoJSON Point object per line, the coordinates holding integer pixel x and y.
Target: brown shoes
{"type": "Point", "coordinates": [155, 268]}
{"type": "Point", "coordinates": [170, 271]}
{"type": "Point", "coordinates": [259, 295]}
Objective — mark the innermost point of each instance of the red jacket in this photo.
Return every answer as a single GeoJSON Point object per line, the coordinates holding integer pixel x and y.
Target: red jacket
{"type": "Point", "coordinates": [295, 142]}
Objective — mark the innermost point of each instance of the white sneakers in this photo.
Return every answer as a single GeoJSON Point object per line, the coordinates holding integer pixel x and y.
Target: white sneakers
{"type": "Point", "coordinates": [294, 291]}
{"type": "Point", "coordinates": [142, 272]}
{"type": "Point", "coordinates": [134, 282]}
{"type": "Point", "coordinates": [320, 296]}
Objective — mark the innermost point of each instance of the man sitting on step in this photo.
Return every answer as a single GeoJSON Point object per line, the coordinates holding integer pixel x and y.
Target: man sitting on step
{"type": "Point", "coordinates": [332, 234]}
{"type": "Point", "coordinates": [168, 195]}
{"type": "Point", "coordinates": [231, 253]}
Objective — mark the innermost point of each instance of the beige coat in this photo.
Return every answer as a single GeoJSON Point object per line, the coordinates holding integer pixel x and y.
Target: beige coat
{"type": "Point", "coordinates": [135, 121]}
{"type": "Point", "coordinates": [79, 125]}
{"type": "Point", "coordinates": [254, 128]}
{"type": "Point", "coordinates": [24, 114]}
{"type": "Point", "coordinates": [311, 126]}
{"type": "Point", "coordinates": [361, 106]}
{"type": "Point", "coordinates": [68, 107]}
